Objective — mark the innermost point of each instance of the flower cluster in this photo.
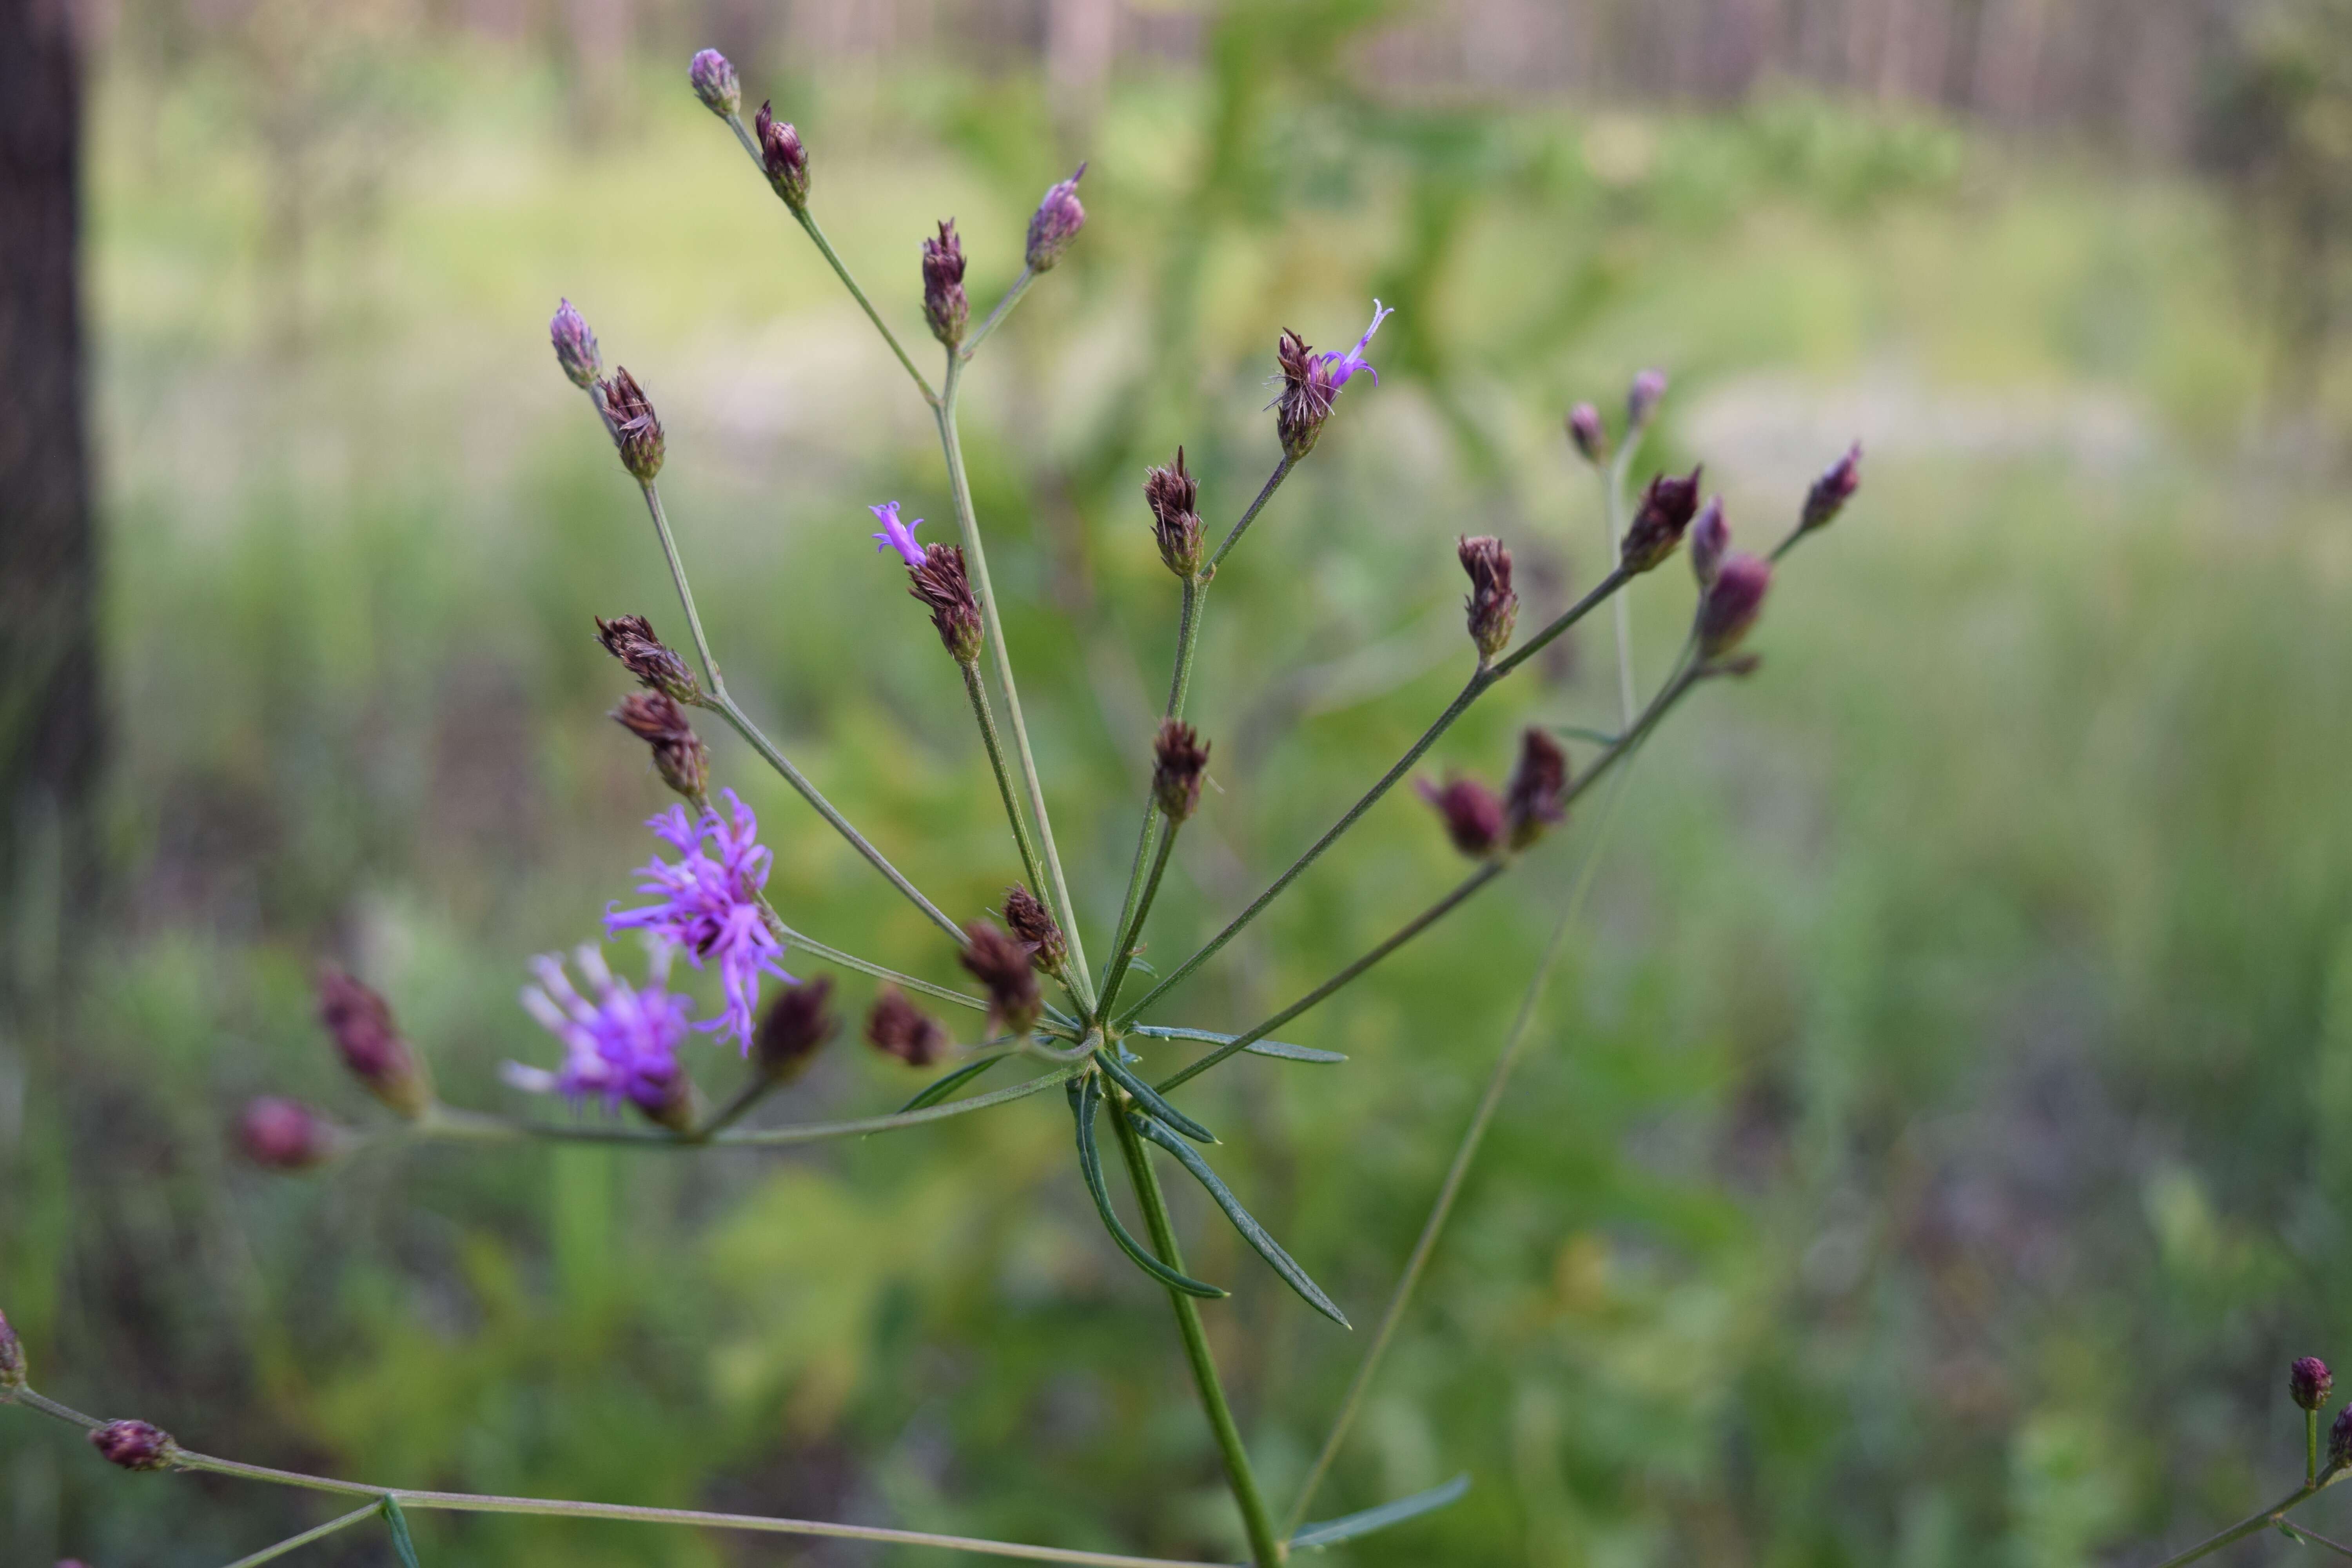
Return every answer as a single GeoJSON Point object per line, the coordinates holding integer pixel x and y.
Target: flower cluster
{"type": "Point", "coordinates": [1310, 381]}
{"type": "Point", "coordinates": [706, 905]}
{"type": "Point", "coordinates": [619, 1046]}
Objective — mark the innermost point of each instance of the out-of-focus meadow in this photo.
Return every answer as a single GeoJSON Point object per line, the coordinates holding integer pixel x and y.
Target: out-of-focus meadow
{"type": "Point", "coordinates": [1926, 1158]}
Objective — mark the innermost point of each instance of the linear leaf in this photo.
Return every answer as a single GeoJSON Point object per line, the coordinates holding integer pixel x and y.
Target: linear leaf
{"type": "Point", "coordinates": [1152, 1101]}
{"type": "Point", "coordinates": [939, 1087]}
{"type": "Point", "coordinates": [1084, 1098]}
{"type": "Point", "coordinates": [397, 1523]}
{"type": "Point", "coordinates": [1255, 1048]}
{"type": "Point", "coordinates": [1252, 1232]}
{"type": "Point", "coordinates": [1332, 1532]}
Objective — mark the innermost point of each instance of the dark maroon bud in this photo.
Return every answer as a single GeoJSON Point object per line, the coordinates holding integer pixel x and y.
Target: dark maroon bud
{"type": "Point", "coordinates": [897, 1028]}
{"type": "Point", "coordinates": [942, 586]}
{"type": "Point", "coordinates": [12, 1359]}
{"type": "Point", "coordinates": [1659, 522]}
{"type": "Point", "coordinates": [2340, 1439]}
{"type": "Point", "coordinates": [1179, 760]}
{"type": "Point", "coordinates": [944, 305]}
{"type": "Point", "coordinates": [575, 346]}
{"type": "Point", "coordinates": [630, 639]}
{"type": "Point", "coordinates": [1304, 400]}
{"type": "Point", "coordinates": [1000, 964]}
{"type": "Point", "coordinates": [1174, 498]}
{"type": "Point", "coordinates": [679, 755]}
{"type": "Point", "coordinates": [2308, 1381]}
{"type": "Point", "coordinates": [1732, 603]}
{"type": "Point", "coordinates": [713, 79]}
{"type": "Point", "coordinates": [1055, 222]}
{"type": "Point", "coordinates": [1641, 397]}
{"type": "Point", "coordinates": [637, 431]}
{"type": "Point", "coordinates": [134, 1445]}
{"type": "Point", "coordinates": [1491, 606]}
{"type": "Point", "coordinates": [783, 157]}
{"type": "Point", "coordinates": [1472, 812]}
{"type": "Point", "coordinates": [281, 1134]}
{"type": "Point", "coordinates": [370, 1044]}
{"type": "Point", "coordinates": [1585, 430]}
{"type": "Point", "coordinates": [1832, 491]}
{"type": "Point", "coordinates": [665, 1101]}
{"type": "Point", "coordinates": [1034, 924]}
{"type": "Point", "coordinates": [797, 1026]}
{"type": "Point", "coordinates": [1710, 537]}
{"type": "Point", "coordinates": [1533, 799]}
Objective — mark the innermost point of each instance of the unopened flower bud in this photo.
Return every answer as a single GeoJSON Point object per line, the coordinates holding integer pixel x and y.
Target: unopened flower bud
{"type": "Point", "coordinates": [1641, 397]}
{"type": "Point", "coordinates": [1179, 759]}
{"type": "Point", "coordinates": [1830, 493]}
{"type": "Point", "coordinates": [575, 345]}
{"type": "Point", "coordinates": [12, 1359]}
{"type": "Point", "coordinates": [1585, 430]}
{"type": "Point", "coordinates": [714, 82]}
{"type": "Point", "coordinates": [2308, 1381]}
{"type": "Point", "coordinates": [1533, 798]}
{"type": "Point", "coordinates": [1472, 812]}
{"type": "Point", "coordinates": [1034, 924]}
{"type": "Point", "coordinates": [1659, 522]}
{"type": "Point", "coordinates": [678, 754]}
{"type": "Point", "coordinates": [1174, 497]}
{"type": "Point", "coordinates": [783, 157]}
{"type": "Point", "coordinates": [133, 1445]}
{"type": "Point", "coordinates": [1001, 964]}
{"type": "Point", "coordinates": [1732, 603]}
{"type": "Point", "coordinates": [360, 1025]}
{"type": "Point", "coordinates": [1304, 400]}
{"type": "Point", "coordinates": [666, 1100]}
{"type": "Point", "coordinates": [897, 1028]}
{"type": "Point", "coordinates": [942, 585]}
{"type": "Point", "coordinates": [281, 1134]}
{"type": "Point", "coordinates": [636, 432]}
{"type": "Point", "coordinates": [797, 1026]}
{"type": "Point", "coordinates": [2340, 1439]}
{"type": "Point", "coordinates": [1491, 606]}
{"type": "Point", "coordinates": [944, 305]}
{"type": "Point", "coordinates": [1710, 537]}
{"type": "Point", "coordinates": [1055, 222]}
{"type": "Point", "coordinates": [630, 639]}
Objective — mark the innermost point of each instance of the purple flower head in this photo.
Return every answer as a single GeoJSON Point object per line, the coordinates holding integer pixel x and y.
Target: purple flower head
{"type": "Point", "coordinates": [1343, 365]}
{"type": "Point", "coordinates": [708, 903]}
{"type": "Point", "coordinates": [895, 535]}
{"type": "Point", "coordinates": [621, 1044]}
{"type": "Point", "coordinates": [713, 80]}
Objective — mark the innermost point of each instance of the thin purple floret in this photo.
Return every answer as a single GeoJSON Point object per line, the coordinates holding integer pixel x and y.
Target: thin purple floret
{"type": "Point", "coordinates": [895, 535]}
{"type": "Point", "coordinates": [707, 904]}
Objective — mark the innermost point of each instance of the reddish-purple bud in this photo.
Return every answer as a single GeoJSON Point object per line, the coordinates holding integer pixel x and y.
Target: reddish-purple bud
{"type": "Point", "coordinates": [1711, 538]}
{"type": "Point", "coordinates": [1055, 222]}
{"type": "Point", "coordinates": [281, 1134]}
{"type": "Point", "coordinates": [1732, 603]}
{"type": "Point", "coordinates": [12, 1359]}
{"type": "Point", "coordinates": [1180, 758]}
{"type": "Point", "coordinates": [897, 1028]}
{"type": "Point", "coordinates": [637, 431]}
{"type": "Point", "coordinates": [133, 1445]}
{"type": "Point", "coordinates": [942, 586]}
{"type": "Point", "coordinates": [630, 639]}
{"type": "Point", "coordinates": [783, 157]}
{"type": "Point", "coordinates": [944, 305]}
{"type": "Point", "coordinates": [1491, 607]}
{"type": "Point", "coordinates": [575, 345]}
{"type": "Point", "coordinates": [1533, 800]}
{"type": "Point", "coordinates": [1304, 404]}
{"type": "Point", "coordinates": [678, 754]}
{"type": "Point", "coordinates": [1174, 498]}
{"type": "Point", "coordinates": [1659, 522]}
{"type": "Point", "coordinates": [2308, 1381]}
{"type": "Point", "coordinates": [1472, 814]}
{"type": "Point", "coordinates": [1034, 924]}
{"type": "Point", "coordinates": [1642, 398]}
{"type": "Point", "coordinates": [1832, 491]}
{"type": "Point", "coordinates": [1585, 430]}
{"type": "Point", "coordinates": [797, 1027]}
{"type": "Point", "coordinates": [713, 79]}
{"type": "Point", "coordinates": [368, 1042]}
{"type": "Point", "coordinates": [1002, 964]}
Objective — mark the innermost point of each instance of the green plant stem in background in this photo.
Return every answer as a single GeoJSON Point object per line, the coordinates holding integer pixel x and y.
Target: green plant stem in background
{"type": "Point", "coordinates": [1612, 520]}
{"type": "Point", "coordinates": [271, 1554]}
{"type": "Point", "coordinates": [2252, 1522]}
{"type": "Point", "coordinates": [1257, 1522]}
{"type": "Point", "coordinates": [976, 690]}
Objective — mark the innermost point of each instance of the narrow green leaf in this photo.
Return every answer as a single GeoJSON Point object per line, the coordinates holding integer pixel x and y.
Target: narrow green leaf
{"type": "Point", "coordinates": [1252, 1232]}
{"type": "Point", "coordinates": [1152, 1101]}
{"type": "Point", "coordinates": [1332, 1532]}
{"type": "Point", "coordinates": [1086, 1097]}
{"type": "Point", "coordinates": [397, 1523]}
{"type": "Point", "coordinates": [1255, 1048]}
{"type": "Point", "coordinates": [939, 1089]}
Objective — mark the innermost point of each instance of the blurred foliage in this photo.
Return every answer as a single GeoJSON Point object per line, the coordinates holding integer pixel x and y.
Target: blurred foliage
{"type": "Point", "coordinates": [1926, 1157]}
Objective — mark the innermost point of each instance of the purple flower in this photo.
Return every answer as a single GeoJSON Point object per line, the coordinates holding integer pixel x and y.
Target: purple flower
{"type": "Point", "coordinates": [1343, 365]}
{"type": "Point", "coordinates": [709, 905]}
{"type": "Point", "coordinates": [895, 535]}
{"type": "Point", "coordinates": [622, 1045]}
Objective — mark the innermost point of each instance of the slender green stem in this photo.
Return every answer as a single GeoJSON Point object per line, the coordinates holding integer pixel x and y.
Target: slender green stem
{"type": "Point", "coordinates": [2252, 1522]}
{"type": "Point", "coordinates": [1617, 578]}
{"type": "Point", "coordinates": [271, 1554]}
{"type": "Point", "coordinates": [976, 560]}
{"type": "Point", "coordinates": [2310, 1446]}
{"type": "Point", "coordinates": [1138, 903]}
{"type": "Point", "coordinates": [1613, 522]}
{"type": "Point", "coordinates": [1123, 954]}
{"type": "Point", "coordinates": [817, 949]}
{"type": "Point", "coordinates": [976, 690]}
{"type": "Point", "coordinates": [2315, 1538]}
{"type": "Point", "coordinates": [1257, 1521]}
{"type": "Point", "coordinates": [685, 589]}
{"type": "Point", "coordinates": [1266, 493]}
{"type": "Point", "coordinates": [734, 1110]}
{"type": "Point", "coordinates": [970, 345]}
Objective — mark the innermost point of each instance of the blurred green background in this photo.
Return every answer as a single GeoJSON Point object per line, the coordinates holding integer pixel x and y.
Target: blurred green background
{"type": "Point", "coordinates": [1927, 1155]}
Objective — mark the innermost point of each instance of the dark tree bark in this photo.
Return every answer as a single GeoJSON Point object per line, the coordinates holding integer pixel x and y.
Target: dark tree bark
{"type": "Point", "coordinates": [49, 716]}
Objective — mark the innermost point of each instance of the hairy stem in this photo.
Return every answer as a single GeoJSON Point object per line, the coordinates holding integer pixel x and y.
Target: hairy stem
{"type": "Point", "coordinates": [1257, 1521]}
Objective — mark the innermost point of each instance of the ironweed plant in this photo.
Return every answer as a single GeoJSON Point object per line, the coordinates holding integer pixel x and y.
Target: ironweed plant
{"type": "Point", "coordinates": [1040, 999]}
